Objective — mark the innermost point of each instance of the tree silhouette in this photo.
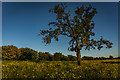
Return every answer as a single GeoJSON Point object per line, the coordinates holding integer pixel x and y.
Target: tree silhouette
{"type": "Point", "coordinates": [57, 56]}
{"type": "Point", "coordinates": [79, 29]}
{"type": "Point", "coordinates": [110, 57]}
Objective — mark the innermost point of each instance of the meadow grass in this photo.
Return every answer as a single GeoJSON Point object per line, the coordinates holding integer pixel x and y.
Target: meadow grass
{"type": "Point", "coordinates": [0, 69]}
{"type": "Point", "coordinates": [61, 69]}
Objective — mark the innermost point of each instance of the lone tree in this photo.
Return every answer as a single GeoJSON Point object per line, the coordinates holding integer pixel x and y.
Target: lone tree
{"type": "Point", "coordinates": [79, 29]}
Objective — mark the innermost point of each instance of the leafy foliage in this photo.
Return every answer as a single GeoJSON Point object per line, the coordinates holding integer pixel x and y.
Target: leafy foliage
{"type": "Point", "coordinates": [65, 58]}
{"type": "Point", "coordinates": [57, 56]}
{"type": "Point", "coordinates": [79, 28]}
{"type": "Point", "coordinates": [28, 54]}
{"type": "Point", "coordinates": [45, 56]}
{"type": "Point", "coordinates": [72, 58]}
{"type": "Point", "coordinates": [111, 57]}
{"type": "Point", "coordinates": [42, 56]}
{"type": "Point", "coordinates": [87, 58]}
{"type": "Point", "coordinates": [10, 52]}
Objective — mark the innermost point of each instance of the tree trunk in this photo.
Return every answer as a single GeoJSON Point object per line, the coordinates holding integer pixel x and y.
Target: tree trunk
{"type": "Point", "coordinates": [79, 60]}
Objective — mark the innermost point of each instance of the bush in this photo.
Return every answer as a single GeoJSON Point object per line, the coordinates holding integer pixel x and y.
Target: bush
{"type": "Point", "coordinates": [10, 52]}
{"type": "Point", "coordinates": [89, 58]}
{"type": "Point", "coordinates": [110, 57]}
{"type": "Point", "coordinates": [57, 56]}
{"type": "Point", "coordinates": [72, 58]}
{"type": "Point", "coordinates": [28, 54]}
{"type": "Point", "coordinates": [42, 56]}
{"type": "Point", "coordinates": [64, 58]}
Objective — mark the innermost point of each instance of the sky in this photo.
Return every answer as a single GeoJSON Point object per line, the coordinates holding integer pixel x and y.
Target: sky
{"type": "Point", "coordinates": [22, 22]}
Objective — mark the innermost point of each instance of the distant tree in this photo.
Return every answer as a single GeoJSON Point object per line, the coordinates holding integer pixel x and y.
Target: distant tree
{"type": "Point", "coordinates": [28, 54]}
{"type": "Point", "coordinates": [100, 58]}
{"type": "Point", "coordinates": [47, 53]}
{"type": "Point", "coordinates": [103, 58]}
{"type": "Point", "coordinates": [64, 58]}
{"type": "Point", "coordinates": [84, 58]}
{"type": "Point", "coordinates": [110, 57]}
{"type": "Point", "coordinates": [118, 57]}
{"type": "Point", "coordinates": [87, 58]}
{"type": "Point", "coordinates": [96, 58]}
{"type": "Point", "coordinates": [57, 56]}
{"type": "Point", "coordinates": [90, 58]}
{"type": "Point", "coordinates": [10, 52]}
{"type": "Point", "coordinates": [79, 29]}
{"type": "Point", "coordinates": [72, 58]}
{"type": "Point", "coordinates": [42, 56]}
{"type": "Point", "coordinates": [49, 56]}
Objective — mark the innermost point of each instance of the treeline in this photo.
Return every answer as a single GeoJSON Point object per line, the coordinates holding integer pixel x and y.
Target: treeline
{"type": "Point", "coordinates": [99, 58]}
{"type": "Point", "coordinates": [11, 52]}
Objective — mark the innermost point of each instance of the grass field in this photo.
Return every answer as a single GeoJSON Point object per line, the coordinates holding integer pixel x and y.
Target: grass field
{"type": "Point", "coordinates": [61, 69]}
{"type": "Point", "coordinates": [0, 69]}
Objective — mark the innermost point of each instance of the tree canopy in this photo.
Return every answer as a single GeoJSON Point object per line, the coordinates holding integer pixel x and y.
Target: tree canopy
{"type": "Point", "coordinates": [79, 28]}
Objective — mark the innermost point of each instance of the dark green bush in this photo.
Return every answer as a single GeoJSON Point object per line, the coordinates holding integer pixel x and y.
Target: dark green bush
{"type": "Point", "coordinates": [28, 54]}
{"type": "Point", "coordinates": [72, 58]}
{"type": "Point", "coordinates": [42, 56]}
{"type": "Point", "coordinates": [64, 58]}
{"type": "Point", "coordinates": [10, 52]}
{"type": "Point", "coordinates": [57, 56]}
{"type": "Point", "coordinates": [45, 56]}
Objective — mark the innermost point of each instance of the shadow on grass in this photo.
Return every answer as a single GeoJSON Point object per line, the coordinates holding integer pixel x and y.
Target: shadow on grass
{"type": "Point", "coordinates": [111, 62]}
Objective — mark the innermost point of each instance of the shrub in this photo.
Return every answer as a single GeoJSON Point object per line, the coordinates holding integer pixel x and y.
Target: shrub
{"type": "Point", "coordinates": [72, 58]}
{"type": "Point", "coordinates": [111, 57]}
{"type": "Point", "coordinates": [57, 56]}
{"type": "Point", "coordinates": [29, 54]}
{"type": "Point", "coordinates": [64, 58]}
{"type": "Point", "coordinates": [10, 52]}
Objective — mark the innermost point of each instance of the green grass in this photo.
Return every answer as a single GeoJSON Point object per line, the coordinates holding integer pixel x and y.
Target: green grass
{"type": "Point", "coordinates": [60, 69]}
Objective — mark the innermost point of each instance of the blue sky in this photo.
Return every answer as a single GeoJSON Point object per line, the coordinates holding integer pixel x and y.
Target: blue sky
{"type": "Point", "coordinates": [21, 22]}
